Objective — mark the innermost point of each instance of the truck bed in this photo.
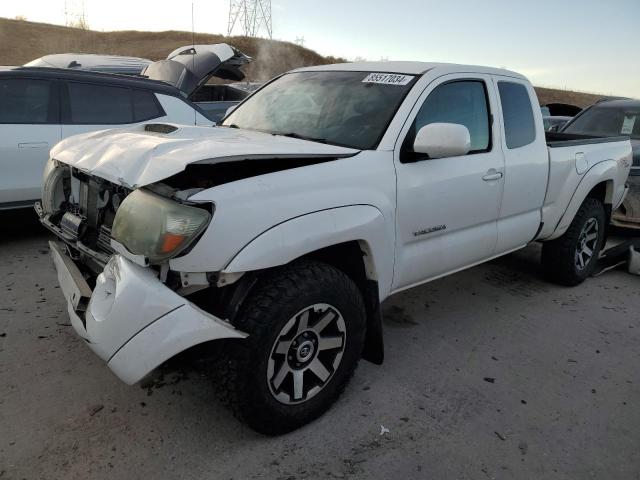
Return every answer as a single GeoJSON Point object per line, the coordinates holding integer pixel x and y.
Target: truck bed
{"type": "Point", "coordinates": [557, 139]}
{"type": "Point", "coordinates": [571, 157]}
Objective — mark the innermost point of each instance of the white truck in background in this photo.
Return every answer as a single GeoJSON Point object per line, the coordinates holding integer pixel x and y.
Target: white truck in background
{"type": "Point", "coordinates": [282, 230]}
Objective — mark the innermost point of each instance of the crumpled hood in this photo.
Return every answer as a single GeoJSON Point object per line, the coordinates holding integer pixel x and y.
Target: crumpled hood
{"type": "Point", "coordinates": [137, 157]}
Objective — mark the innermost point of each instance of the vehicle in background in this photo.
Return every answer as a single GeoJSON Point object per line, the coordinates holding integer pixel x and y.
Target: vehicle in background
{"type": "Point", "coordinates": [282, 230]}
{"type": "Point", "coordinates": [189, 68]}
{"type": "Point", "coordinates": [216, 99]}
{"type": "Point", "coordinates": [611, 118]}
{"type": "Point", "coordinates": [555, 115]}
{"type": "Point", "coordinates": [554, 123]}
{"type": "Point", "coordinates": [560, 110]}
{"type": "Point", "coordinates": [93, 62]}
{"type": "Point", "coordinates": [41, 106]}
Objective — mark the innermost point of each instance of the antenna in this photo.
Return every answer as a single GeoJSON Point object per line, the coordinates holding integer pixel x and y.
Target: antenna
{"type": "Point", "coordinates": [252, 16]}
{"type": "Point", "coordinates": [193, 57]}
{"type": "Point", "coordinates": [193, 31]}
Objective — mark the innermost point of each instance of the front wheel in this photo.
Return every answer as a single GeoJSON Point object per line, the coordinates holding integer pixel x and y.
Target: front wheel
{"type": "Point", "coordinates": [571, 258]}
{"type": "Point", "coordinates": [306, 326]}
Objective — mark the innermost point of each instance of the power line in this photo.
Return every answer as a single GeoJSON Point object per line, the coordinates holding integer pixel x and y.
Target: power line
{"type": "Point", "coordinates": [251, 17]}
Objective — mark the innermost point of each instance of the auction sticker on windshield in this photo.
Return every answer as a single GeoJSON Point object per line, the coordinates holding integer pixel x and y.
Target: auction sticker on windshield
{"type": "Point", "coordinates": [387, 78]}
{"type": "Point", "coordinates": [627, 125]}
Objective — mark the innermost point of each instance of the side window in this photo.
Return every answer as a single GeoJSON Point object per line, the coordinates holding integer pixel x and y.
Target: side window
{"type": "Point", "coordinates": [24, 100]}
{"type": "Point", "coordinates": [99, 104]}
{"type": "Point", "coordinates": [519, 125]}
{"type": "Point", "coordinates": [463, 102]}
{"type": "Point", "coordinates": [145, 106]}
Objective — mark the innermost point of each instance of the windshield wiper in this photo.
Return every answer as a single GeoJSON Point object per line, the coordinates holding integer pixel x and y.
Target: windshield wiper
{"type": "Point", "coordinates": [301, 137]}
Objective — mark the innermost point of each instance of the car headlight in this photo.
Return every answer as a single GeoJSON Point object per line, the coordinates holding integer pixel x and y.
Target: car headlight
{"type": "Point", "coordinates": [53, 178]}
{"type": "Point", "coordinates": [156, 227]}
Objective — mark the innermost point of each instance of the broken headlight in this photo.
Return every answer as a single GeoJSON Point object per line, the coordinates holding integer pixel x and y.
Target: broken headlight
{"type": "Point", "coordinates": [53, 194]}
{"type": "Point", "coordinates": [156, 227]}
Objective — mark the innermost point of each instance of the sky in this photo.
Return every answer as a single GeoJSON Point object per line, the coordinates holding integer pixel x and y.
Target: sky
{"type": "Point", "coordinates": [585, 45]}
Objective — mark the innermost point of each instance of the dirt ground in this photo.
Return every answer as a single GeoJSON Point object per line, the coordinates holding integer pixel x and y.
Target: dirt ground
{"type": "Point", "coordinates": [489, 373]}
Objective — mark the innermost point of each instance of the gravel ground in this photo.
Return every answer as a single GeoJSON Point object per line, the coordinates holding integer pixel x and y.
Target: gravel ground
{"type": "Point", "coordinates": [489, 373]}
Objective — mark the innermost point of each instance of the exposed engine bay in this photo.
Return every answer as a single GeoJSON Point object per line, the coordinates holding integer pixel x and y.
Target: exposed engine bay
{"type": "Point", "coordinates": [80, 209]}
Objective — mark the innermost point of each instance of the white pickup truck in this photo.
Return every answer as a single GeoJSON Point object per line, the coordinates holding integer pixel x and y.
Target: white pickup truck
{"type": "Point", "coordinates": [281, 230]}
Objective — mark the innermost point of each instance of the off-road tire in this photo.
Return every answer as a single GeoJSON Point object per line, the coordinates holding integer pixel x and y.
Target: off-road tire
{"type": "Point", "coordinates": [558, 256]}
{"type": "Point", "coordinates": [275, 299]}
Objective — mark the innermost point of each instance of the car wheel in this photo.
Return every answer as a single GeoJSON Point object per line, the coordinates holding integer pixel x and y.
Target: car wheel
{"type": "Point", "coordinates": [306, 326]}
{"type": "Point", "coordinates": [571, 258]}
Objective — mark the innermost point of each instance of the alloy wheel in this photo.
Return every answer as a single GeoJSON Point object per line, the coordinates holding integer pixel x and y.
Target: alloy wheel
{"type": "Point", "coordinates": [587, 241]}
{"type": "Point", "coordinates": [306, 353]}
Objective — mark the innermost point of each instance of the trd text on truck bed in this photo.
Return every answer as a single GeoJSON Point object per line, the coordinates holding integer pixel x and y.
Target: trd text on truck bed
{"type": "Point", "coordinates": [283, 229]}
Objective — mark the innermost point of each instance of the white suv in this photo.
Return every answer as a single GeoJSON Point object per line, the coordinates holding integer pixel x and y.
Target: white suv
{"type": "Point", "coordinates": [41, 106]}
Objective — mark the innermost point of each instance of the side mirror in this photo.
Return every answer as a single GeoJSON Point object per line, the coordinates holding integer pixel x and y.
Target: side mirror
{"type": "Point", "coordinates": [440, 140]}
{"type": "Point", "coordinates": [230, 109]}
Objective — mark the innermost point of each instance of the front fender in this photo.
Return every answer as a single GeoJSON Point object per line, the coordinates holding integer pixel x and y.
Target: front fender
{"type": "Point", "coordinates": [302, 235]}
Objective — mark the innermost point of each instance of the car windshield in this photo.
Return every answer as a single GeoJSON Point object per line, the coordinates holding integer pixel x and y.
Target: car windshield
{"type": "Point", "coordinates": [351, 109]}
{"type": "Point", "coordinates": [607, 121]}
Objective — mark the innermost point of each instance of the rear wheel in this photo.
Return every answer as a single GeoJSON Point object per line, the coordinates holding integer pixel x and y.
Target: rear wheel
{"type": "Point", "coordinates": [570, 259]}
{"type": "Point", "coordinates": [306, 326]}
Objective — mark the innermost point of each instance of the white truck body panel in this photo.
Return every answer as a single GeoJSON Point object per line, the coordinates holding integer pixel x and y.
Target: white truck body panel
{"type": "Point", "coordinates": [567, 187]}
{"type": "Point", "coordinates": [526, 174]}
{"type": "Point", "coordinates": [170, 322]}
{"type": "Point", "coordinates": [288, 195]}
{"type": "Point", "coordinates": [314, 231]}
{"type": "Point", "coordinates": [466, 228]}
{"type": "Point", "coordinates": [414, 221]}
{"type": "Point", "coordinates": [135, 158]}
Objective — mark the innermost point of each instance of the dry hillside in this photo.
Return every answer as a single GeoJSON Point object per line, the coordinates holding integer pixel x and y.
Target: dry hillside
{"type": "Point", "coordinates": [550, 95]}
{"type": "Point", "coordinates": [22, 41]}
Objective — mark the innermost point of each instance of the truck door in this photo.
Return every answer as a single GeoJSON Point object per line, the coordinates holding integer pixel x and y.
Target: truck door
{"type": "Point", "coordinates": [447, 208]}
{"type": "Point", "coordinates": [29, 127]}
{"type": "Point", "coordinates": [526, 163]}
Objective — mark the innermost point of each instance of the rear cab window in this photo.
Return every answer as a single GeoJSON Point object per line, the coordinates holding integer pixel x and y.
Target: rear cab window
{"type": "Point", "coordinates": [517, 114]}
{"type": "Point", "coordinates": [27, 101]}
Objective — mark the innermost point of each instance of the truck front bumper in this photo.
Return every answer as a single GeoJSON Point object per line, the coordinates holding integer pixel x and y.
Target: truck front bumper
{"type": "Point", "coordinates": [131, 319]}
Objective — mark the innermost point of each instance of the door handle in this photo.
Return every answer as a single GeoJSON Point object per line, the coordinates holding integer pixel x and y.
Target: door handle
{"type": "Point", "coordinates": [492, 176]}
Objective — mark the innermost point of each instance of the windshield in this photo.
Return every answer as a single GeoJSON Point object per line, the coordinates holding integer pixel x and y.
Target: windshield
{"type": "Point", "coordinates": [349, 109]}
{"type": "Point", "coordinates": [607, 121]}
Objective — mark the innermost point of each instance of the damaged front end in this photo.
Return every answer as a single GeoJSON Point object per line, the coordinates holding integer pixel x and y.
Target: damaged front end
{"type": "Point", "coordinates": [113, 268]}
{"type": "Point", "coordinates": [80, 210]}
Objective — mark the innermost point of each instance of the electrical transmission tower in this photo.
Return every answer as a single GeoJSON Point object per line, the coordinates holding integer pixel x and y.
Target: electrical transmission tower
{"type": "Point", "coordinates": [75, 14]}
{"type": "Point", "coordinates": [251, 16]}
